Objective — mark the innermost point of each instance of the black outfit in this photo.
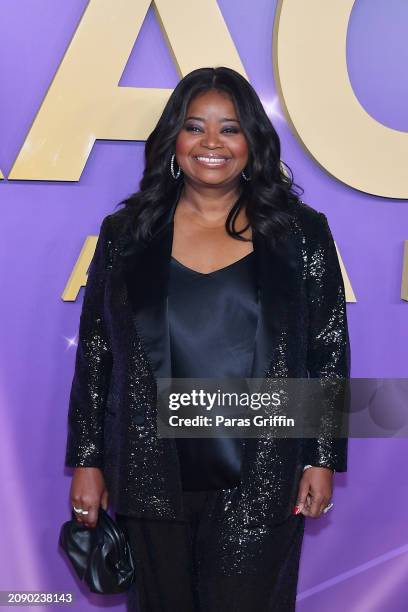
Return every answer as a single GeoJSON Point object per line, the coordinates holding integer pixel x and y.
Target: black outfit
{"type": "Point", "coordinates": [202, 565]}
{"type": "Point", "coordinates": [212, 321]}
{"type": "Point", "coordinates": [124, 342]}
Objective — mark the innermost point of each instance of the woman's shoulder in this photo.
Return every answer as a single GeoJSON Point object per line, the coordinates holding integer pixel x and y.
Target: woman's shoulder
{"type": "Point", "coordinates": [117, 219]}
{"type": "Point", "coordinates": [114, 225]}
{"type": "Point", "coordinates": [311, 222]}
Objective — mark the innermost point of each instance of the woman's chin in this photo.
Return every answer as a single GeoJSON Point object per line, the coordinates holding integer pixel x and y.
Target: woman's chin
{"type": "Point", "coordinates": [213, 178]}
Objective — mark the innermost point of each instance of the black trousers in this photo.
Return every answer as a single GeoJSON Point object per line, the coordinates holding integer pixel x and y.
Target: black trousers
{"type": "Point", "coordinates": [202, 565]}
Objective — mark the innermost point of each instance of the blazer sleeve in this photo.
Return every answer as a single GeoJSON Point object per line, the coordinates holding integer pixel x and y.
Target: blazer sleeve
{"type": "Point", "coordinates": [328, 350]}
{"type": "Point", "coordinates": [93, 365]}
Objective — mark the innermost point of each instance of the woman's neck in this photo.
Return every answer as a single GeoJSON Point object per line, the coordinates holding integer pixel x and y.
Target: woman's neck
{"type": "Point", "coordinates": [209, 203]}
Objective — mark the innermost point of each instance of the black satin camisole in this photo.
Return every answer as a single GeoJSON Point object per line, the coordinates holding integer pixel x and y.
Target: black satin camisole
{"type": "Point", "coordinates": [212, 323]}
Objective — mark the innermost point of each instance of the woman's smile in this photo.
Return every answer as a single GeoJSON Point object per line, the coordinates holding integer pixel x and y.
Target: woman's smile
{"type": "Point", "coordinates": [211, 161]}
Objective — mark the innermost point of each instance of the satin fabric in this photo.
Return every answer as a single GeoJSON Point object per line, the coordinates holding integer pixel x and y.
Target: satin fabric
{"type": "Point", "coordinates": [212, 324]}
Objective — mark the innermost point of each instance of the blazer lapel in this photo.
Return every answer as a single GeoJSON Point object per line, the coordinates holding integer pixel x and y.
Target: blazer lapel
{"type": "Point", "coordinates": [146, 269]}
{"type": "Point", "coordinates": [276, 269]}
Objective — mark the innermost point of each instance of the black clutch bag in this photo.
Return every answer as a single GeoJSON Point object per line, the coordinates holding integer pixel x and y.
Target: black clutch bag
{"type": "Point", "coordinates": [100, 555]}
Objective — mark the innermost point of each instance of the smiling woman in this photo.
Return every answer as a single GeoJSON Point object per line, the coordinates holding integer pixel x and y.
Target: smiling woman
{"type": "Point", "coordinates": [212, 114]}
{"type": "Point", "coordinates": [213, 269]}
{"type": "Point", "coordinates": [212, 140]}
{"type": "Point", "coordinates": [212, 150]}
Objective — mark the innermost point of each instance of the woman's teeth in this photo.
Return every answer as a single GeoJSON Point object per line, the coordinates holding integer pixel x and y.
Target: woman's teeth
{"type": "Point", "coordinates": [211, 160]}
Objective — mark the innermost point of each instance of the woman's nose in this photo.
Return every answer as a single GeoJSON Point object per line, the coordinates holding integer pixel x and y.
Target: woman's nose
{"type": "Point", "coordinates": [211, 139]}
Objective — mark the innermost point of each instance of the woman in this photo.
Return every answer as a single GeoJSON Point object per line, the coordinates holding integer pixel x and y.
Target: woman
{"type": "Point", "coordinates": [214, 268]}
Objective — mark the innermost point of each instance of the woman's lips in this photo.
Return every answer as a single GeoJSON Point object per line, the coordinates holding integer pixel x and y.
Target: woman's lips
{"type": "Point", "coordinates": [211, 162]}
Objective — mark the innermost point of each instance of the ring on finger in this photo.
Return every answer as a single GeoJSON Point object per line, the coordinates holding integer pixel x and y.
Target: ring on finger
{"type": "Point", "coordinates": [327, 508]}
{"type": "Point", "coordinates": [80, 511]}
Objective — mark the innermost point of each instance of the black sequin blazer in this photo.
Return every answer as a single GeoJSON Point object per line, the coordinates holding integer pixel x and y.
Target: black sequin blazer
{"type": "Point", "coordinates": [112, 412]}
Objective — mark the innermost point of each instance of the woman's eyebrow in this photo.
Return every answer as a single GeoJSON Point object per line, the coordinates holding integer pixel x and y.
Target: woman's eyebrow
{"type": "Point", "coordinates": [222, 120]}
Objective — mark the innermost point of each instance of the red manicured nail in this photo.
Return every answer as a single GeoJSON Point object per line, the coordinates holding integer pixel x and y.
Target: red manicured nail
{"type": "Point", "coordinates": [296, 510]}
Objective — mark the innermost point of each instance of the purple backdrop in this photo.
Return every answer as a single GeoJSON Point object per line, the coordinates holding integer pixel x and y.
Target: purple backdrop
{"type": "Point", "coordinates": [354, 558]}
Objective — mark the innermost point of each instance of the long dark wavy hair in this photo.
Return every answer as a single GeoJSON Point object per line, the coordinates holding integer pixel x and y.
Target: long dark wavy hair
{"type": "Point", "coordinates": [269, 197]}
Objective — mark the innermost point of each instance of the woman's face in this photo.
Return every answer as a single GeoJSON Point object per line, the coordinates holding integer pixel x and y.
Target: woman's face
{"type": "Point", "coordinates": [211, 148]}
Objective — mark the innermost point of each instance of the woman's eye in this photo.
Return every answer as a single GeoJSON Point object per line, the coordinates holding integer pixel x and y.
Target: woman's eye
{"type": "Point", "coordinates": [192, 128]}
{"type": "Point", "coordinates": [195, 128]}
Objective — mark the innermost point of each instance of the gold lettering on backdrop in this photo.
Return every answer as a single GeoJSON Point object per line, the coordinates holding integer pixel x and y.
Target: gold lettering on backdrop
{"type": "Point", "coordinates": [79, 275]}
{"type": "Point", "coordinates": [404, 283]}
{"type": "Point", "coordinates": [310, 64]}
{"type": "Point", "coordinates": [84, 102]}
{"type": "Point", "coordinates": [348, 289]}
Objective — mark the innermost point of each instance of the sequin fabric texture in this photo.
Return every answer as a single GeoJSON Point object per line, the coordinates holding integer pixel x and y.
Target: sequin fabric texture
{"type": "Point", "coordinates": [112, 404]}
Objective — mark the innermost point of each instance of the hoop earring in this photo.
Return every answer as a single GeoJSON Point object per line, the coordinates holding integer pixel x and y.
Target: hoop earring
{"type": "Point", "coordinates": [246, 178]}
{"type": "Point", "coordinates": [173, 174]}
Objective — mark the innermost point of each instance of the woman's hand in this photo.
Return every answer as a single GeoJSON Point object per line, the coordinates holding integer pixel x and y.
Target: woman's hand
{"type": "Point", "coordinates": [315, 491]}
{"type": "Point", "coordinates": [88, 492]}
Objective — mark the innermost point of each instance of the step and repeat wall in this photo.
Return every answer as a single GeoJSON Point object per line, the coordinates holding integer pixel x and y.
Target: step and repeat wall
{"type": "Point", "coordinates": [82, 85]}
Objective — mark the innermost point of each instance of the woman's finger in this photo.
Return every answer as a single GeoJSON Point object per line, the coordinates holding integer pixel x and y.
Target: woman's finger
{"type": "Point", "coordinates": [324, 503]}
{"type": "Point", "coordinates": [87, 513]}
{"type": "Point", "coordinates": [302, 495]}
{"type": "Point", "coordinates": [91, 518]}
{"type": "Point", "coordinates": [307, 504]}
